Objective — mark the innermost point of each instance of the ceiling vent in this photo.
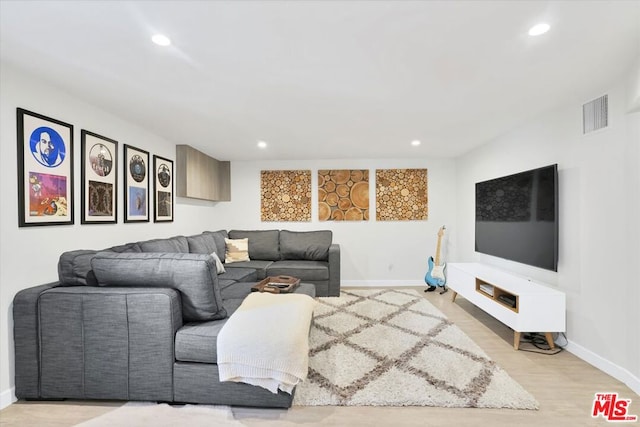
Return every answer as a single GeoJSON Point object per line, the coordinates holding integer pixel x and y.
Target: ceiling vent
{"type": "Point", "coordinates": [595, 114]}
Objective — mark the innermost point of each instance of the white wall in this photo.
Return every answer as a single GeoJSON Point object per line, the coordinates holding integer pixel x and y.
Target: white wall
{"type": "Point", "coordinates": [599, 228]}
{"type": "Point", "coordinates": [29, 256]}
{"type": "Point", "coordinates": [372, 252]}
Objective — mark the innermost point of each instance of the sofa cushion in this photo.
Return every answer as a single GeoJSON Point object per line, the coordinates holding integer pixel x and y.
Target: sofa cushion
{"type": "Point", "coordinates": [218, 237]}
{"type": "Point", "coordinates": [74, 268]}
{"type": "Point", "coordinates": [236, 290]}
{"type": "Point", "coordinates": [260, 267]}
{"type": "Point", "coordinates": [304, 270]}
{"type": "Point", "coordinates": [239, 274]}
{"type": "Point", "coordinates": [203, 243]}
{"type": "Point", "coordinates": [263, 244]}
{"type": "Point", "coordinates": [194, 275]}
{"type": "Point", "coordinates": [307, 245]}
{"type": "Point", "coordinates": [237, 250]}
{"type": "Point", "coordinates": [172, 244]}
{"type": "Point", "coordinates": [128, 247]}
{"type": "Point", "coordinates": [197, 342]}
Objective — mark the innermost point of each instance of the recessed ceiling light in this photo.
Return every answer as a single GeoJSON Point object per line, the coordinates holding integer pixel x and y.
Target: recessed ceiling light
{"type": "Point", "coordinates": [539, 29]}
{"type": "Point", "coordinates": [161, 40]}
{"type": "Point", "coordinates": [415, 142]}
{"type": "Point", "coordinates": [262, 144]}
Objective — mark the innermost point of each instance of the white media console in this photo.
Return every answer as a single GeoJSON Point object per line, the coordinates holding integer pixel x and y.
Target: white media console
{"type": "Point", "coordinates": [521, 304]}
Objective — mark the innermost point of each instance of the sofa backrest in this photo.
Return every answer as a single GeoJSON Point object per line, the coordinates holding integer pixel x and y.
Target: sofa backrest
{"type": "Point", "coordinates": [74, 267]}
{"type": "Point", "coordinates": [306, 245]}
{"type": "Point", "coordinates": [208, 242]}
{"type": "Point", "coordinates": [176, 244]}
{"type": "Point", "coordinates": [263, 244]}
{"type": "Point", "coordinates": [193, 275]}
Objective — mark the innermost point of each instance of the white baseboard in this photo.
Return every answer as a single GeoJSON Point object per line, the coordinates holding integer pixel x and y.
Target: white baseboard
{"type": "Point", "coordinates": [605, 366]}
{"type": "Point", "coordinates": [7, 397]}
{"type": "Point", "coordinates": [380, 283]}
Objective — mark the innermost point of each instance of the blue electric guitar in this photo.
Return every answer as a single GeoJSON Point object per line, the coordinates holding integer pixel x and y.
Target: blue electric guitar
{"type": "Point", "coordinates": [435, 276]}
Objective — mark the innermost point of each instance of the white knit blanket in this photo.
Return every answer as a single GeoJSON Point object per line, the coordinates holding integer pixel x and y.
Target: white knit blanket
{"type": "Point", "coordinates": [265, 342]}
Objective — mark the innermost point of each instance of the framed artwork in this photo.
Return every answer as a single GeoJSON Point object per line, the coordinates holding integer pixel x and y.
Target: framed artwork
{"type": "Point", "coordinates": [136, 184]}
{"type": "Point", "coordinates": [401, 195]}
{"type": "Point", "coordinates": [285, 195]}
{"type": "Point", "coordinates": [162, 189]}
{"type": "Point", "coordinates": [45, 170]}
{"type": "Point", "coordinates": [343, 195]}
{"type": "Point", "coordinates": [99, 179]}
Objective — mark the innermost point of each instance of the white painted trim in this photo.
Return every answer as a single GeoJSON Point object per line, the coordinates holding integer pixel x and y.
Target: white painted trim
{"type": "Point", "coordinates": [381, 283]}
{"type": "Point", "coordinates": [606, 366]}
{"type": "Point", "coordinates": [7, 397]}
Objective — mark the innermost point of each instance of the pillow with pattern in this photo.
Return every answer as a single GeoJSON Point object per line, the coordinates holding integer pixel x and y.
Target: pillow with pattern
{"type": "Point", "coordinates": [237, 250]}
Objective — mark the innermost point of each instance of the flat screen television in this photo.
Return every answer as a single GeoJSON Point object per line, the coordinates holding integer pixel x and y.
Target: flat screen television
{"type": "Point", "coordinates": [517, 217]}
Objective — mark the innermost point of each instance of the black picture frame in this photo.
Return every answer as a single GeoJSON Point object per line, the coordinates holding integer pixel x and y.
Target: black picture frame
{"type": "Point", "coordinates": [162, 189]}
{"type": "Point", "coordinates": [136, 184]}
{"type": "Point", "coordinates": [99, 169]}
{"type": "Point", "coordinates": [45, 170]}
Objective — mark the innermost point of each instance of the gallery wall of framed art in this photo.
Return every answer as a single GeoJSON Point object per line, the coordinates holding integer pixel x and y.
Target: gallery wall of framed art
{"type": "Point", "coordinates": [45, 151]}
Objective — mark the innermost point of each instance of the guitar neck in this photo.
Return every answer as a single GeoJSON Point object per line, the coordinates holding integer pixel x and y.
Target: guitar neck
{"type": "Point", "coordinates": [438, 251]}
{"type": "Point", "coordinates": [440, 233]}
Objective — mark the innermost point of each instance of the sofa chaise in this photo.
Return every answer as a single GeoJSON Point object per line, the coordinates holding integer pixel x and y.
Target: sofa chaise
{"type": "Point", "coordinates": [140, 321]}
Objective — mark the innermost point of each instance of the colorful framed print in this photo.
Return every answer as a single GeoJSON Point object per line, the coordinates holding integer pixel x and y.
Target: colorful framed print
{"type": "Point", "coordinates": [136, 185]}
{"type": "Point", "coordinates": [162, 189]}
{"type": "Point", "coordinates": [45, 170]}
{"type": "Point", "coordinates": [99, 179]}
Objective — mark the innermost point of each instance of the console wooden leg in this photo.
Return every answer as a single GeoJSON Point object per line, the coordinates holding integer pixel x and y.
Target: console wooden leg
{"type": "Point", "coordinates": [453, 296]}
{"type": "Point", "coordinates": [516, 340]}
{"type": "Point", "coordinates": [549, 338]}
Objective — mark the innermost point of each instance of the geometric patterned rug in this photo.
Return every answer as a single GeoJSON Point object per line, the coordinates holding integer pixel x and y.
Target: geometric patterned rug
{"type": "Point", "coordinates": [392, 347]}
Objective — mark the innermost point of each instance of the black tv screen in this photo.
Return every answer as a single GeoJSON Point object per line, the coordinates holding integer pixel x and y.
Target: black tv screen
{"type": "Point", "coordinates": [517, 217]}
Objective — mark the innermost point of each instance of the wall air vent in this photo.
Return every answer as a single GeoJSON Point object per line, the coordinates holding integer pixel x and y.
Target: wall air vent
{"type": "Point", "coordinates": [595, 114]}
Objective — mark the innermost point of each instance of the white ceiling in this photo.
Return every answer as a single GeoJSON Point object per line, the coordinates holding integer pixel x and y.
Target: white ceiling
{"type": "Point", "coordinates": [324, 79]}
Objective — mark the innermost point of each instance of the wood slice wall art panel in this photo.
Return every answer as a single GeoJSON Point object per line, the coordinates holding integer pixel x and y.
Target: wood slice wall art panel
{"type": "Point", "coordinates": [285, 195]}
{"type": "Point", "coordinates": [401, 195]}
{"type": "Point", "coordinates": [343, 195]}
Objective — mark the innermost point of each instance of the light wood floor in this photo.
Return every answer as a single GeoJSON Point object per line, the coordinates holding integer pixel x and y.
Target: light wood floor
{"type": "Point", "coordinates": [563, 385]}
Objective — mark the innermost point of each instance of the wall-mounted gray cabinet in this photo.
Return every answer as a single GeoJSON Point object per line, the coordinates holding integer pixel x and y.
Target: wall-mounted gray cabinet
{"type": "Point", "coordinates": [200, 176]}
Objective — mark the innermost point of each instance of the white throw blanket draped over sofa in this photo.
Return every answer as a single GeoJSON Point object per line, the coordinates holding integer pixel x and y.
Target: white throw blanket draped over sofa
{"type": "Point", "coordinates": [266, 341]}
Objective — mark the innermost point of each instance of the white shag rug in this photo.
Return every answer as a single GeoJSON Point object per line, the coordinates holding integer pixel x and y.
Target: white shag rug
{"type": "Point", "coordinates": [393, 348]}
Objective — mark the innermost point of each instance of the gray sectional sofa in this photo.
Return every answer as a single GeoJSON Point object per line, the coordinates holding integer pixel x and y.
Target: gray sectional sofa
{"type": "Point", "coordinates": [140, 321]}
